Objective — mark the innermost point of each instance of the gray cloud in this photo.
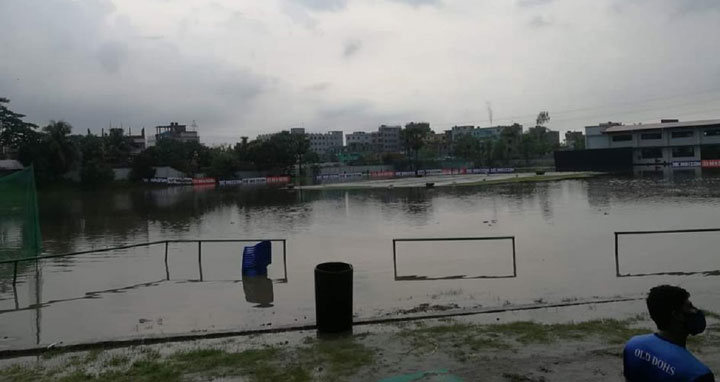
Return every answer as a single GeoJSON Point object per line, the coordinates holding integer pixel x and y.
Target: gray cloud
{"type": "Point", "coordinates": [351, 47]}
{"type": "Point", "coordinates": [112, 55]}
{"type": "Point", "coordinates": [318, 87]}
{"type": "Point", "coordinates": [532, 3]}
{"type": "Point", "coordinates": [241, 68]}
{"type": "Point", "coordinates": [539, 22]}
{"type": "Point", "coordinates": [417, 3]}
{"type": "Point", "coordinates": [323, 5]}
{"type": "Point", "coordinates": [150, 82]}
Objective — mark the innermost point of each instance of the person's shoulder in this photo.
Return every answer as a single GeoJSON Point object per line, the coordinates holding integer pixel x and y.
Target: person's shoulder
{"type": "Point", "coordinates": [641, 339]}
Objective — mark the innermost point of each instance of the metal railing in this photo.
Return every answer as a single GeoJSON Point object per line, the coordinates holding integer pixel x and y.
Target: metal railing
{"type": "Point", "coordinates": [199, 242]}
{"type": "Point", "coordinates": [715, 272]}
{"type": "Point", "coordinates": [412, 278]}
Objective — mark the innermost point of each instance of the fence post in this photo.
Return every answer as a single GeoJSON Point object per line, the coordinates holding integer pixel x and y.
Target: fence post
{"type": "Point", "coordinates": [617, 259]}
{"type": "Point", "coordinates": [167, 269]}
{"type": "Point", "coordinates": [394, 260]}
{"type": "Point", "coordinates": [514, 260]}
{"type": "Point", "coordinates": [200, 259]}
{"type": "Point", "coordinates": [15, 266]}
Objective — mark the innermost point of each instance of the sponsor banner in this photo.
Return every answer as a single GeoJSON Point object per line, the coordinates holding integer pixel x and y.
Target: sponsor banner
{"type": "Point", "coordinates": [382, 174]}
{"type": "Point", "coordinates": [501, 170]}
{"type": "Point", "coordinates": [203, 181]}
{"type": "Point", "coordinates": [157, 180]}
{"type": "Point", "coordinates": [278, 179]}
{"type": "Point", "coordinates": [179, 181]}
{"type": "Point", "coordinates": [689, 163]}
{"type": "Point", "coordinates": [433, 172]}
{"type": "Point", "coordinates": [406, 173]}
{"type": "Point", "coordinates": [254, 180]}
{"type": "Point", "coordinates": [230, 182]}
{"type": "Point", "coordinates": [710, 163]}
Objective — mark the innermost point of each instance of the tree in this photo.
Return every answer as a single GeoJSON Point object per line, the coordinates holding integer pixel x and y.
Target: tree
{"type": "Point", "coordinates": [95, 168]}
{"type": "Point", "coordinates": [61, 150]}
{"type": "Point", "coordinates": [414, 136]}
{"type": "Point", "coordinates": [301, 147]}
{"type": "Point", "coordinates": [468, 148]}
{"type": "Point", "coordinates": [141, 166]}
{"type": "Point", "coordinates": [223, 163]}
{"type": "Point", "coordinates": [542, 118]}
{"type": "Point", "coordinates": [118, 147]}
{"type": "Point", "coordinates": [16, 133]}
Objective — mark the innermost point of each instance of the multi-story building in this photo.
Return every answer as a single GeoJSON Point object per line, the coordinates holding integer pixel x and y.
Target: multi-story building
{"type": "Point", "coordinates": [487, 132]}
{"type": "Point", "coordinates": [389, 138]}
{"type": "Point", "coordinates": [359, 139]}
{"type": "Point", "coordinates": [177, 132]}
{"type": "Point", "coordinates": [386, 139]}
{"type": "Point", "coordinates": [459, 131]}
{"type": "Point", "coordinates": [667, 142]}
{"type": "Point", "coordinates": [323, 143]}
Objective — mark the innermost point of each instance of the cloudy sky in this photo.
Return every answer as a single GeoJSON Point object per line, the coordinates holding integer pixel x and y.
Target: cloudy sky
{"type": "Point", "coordinates": [244, 67]}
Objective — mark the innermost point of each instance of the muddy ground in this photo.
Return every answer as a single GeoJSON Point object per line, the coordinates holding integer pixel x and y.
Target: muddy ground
{"type": "Point", "coordinates": [491, 347]}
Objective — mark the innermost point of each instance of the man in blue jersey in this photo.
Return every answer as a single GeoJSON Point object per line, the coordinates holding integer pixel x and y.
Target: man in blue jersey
{"type": "Point", "coordinates": [662, 356]}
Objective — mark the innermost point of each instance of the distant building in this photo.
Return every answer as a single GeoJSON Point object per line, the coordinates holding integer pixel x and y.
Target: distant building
{"type": "Point", "coordinates": [359, 141]}
{"type": "Point", "coordinates": [460, 131]}
{"type": "Point", "coordinates": [386, 139]}
{"type": "Point", "coordinates": [389, 138]}
{"type": "Point", "coordinates": [325, 143]}
{"type": "Point", "coordinates": [666, 142]}
{"type": "Point", "coordinates": [176, 132]}
{"type": "Point", "coordinates": [487, 132]}
{"type": "Point", "coordinates": [137, 142]}
{"type": "Point", "coordinates": [440, 144]}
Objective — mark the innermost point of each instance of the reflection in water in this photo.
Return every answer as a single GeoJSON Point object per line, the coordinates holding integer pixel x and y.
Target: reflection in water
{"type": "Point", "coordinates": [258, 290]}
{"type": "Point", "coordinates": [565, 249]}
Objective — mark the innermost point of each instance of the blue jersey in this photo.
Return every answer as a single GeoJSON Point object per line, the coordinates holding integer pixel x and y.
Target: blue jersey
{"type": "Point", "coordinates": [652, 358]}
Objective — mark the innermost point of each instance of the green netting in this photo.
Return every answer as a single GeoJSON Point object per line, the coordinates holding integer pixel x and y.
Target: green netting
{"type": "Point", "coordinates": [19, 220]}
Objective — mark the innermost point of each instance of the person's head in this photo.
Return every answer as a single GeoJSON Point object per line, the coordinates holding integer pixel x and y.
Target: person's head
{"type": "Point", "coordinates": [670, 307]}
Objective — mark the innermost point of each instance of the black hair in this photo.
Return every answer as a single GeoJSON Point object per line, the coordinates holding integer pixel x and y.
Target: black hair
{"type": "Point", "coordinates": [662, 301]}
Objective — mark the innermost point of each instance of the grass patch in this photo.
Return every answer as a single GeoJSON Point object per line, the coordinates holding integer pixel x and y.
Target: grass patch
{"type": "Point", "coordinates": [460, 339]}
{"type": "Point", "coordinates": [341, 356]}
{"type": "Point", "coordinates": [21, 373]}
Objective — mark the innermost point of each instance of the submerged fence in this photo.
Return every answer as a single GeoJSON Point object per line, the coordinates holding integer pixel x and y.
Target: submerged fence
{"type": "Point", "coordinates": [199, 242]}
{"type": "Point", "coordinates": [408, 278]}
{"type": "Point", "coordinates": [676, 231]}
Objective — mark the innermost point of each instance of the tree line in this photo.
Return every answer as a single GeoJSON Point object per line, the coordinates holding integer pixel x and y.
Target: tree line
{"type": "Point", "coordinates": [55, 150]}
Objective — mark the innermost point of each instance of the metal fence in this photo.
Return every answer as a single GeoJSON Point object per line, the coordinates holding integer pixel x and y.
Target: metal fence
{"type": "Point", "coordinates": [411, 278]}
{"type": "Point", "coordinates": [199, 242]}
{"type": "Point", "coordinates": [617, 253]}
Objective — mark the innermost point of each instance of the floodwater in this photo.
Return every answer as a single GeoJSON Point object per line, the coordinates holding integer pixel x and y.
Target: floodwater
{"type": "Point", "coordinates": [563, 241]}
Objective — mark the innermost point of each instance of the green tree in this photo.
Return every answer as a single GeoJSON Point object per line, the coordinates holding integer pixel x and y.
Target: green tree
{"type": "Point", "coordinates": [95, 168]}
{"type": "Point", "coordinates": [16, 133]}
{"type": "Point", "coordinates": [61, 151]}
{"type": "Point", "coordinates": [223, 163]}
{"type": "Point", "coordinates": [142, 165]}
{"type": "Point", "coordinates": [414, 137]}
{"type": "Point", "coordinates": [469, 148]}
{"type": "Point", "coordinates": [118, 148]}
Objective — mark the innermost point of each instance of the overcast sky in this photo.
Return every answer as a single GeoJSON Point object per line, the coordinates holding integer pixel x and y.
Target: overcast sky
{"type": "Point", "coordinates": [240, 68]}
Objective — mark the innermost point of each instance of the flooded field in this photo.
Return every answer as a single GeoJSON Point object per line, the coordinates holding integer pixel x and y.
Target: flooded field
{"type": "Point", "coordinates": [557, 245]}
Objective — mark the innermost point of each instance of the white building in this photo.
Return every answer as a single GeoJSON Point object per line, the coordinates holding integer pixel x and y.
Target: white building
{"type": "Point", "coordinates": [666, 142]}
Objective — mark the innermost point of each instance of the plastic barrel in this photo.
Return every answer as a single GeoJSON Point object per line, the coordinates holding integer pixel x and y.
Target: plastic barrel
{"type": "Point", "coordinates": [333, 297]}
